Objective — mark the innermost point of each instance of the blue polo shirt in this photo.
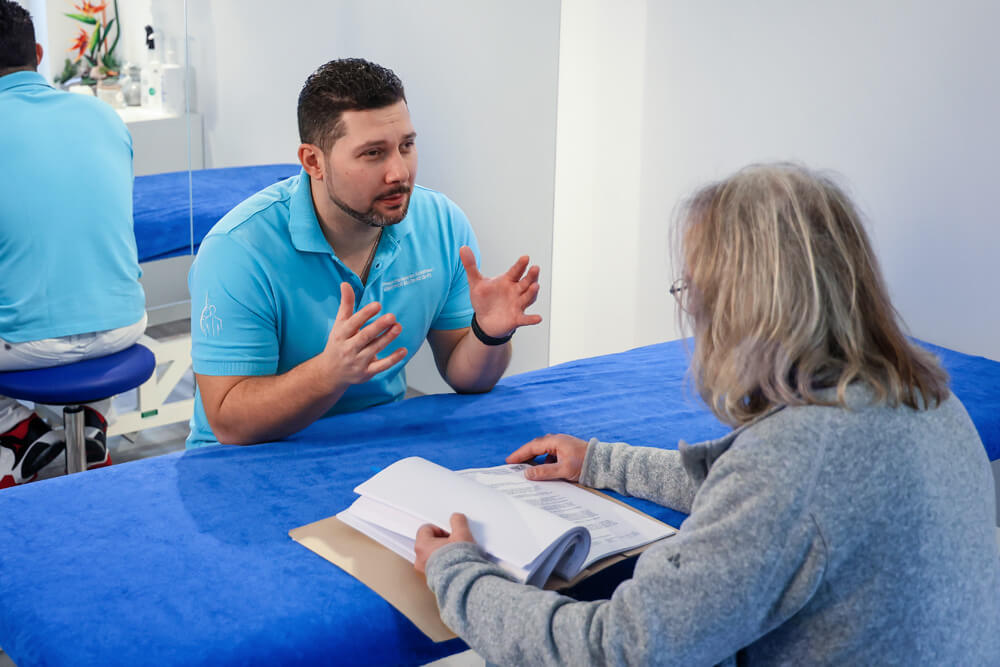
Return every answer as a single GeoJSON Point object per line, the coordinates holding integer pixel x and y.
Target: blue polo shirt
{"type": "Point", "coordinates": [68, 262]}
{"type": "Point", "coordinates": [265, 289]}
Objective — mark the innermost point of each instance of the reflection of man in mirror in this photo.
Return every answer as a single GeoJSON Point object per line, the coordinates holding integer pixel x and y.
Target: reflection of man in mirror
{"type": "Point", "coordinates": [328, 282]}
{"type": "Point", "coordinates": [70, 287]}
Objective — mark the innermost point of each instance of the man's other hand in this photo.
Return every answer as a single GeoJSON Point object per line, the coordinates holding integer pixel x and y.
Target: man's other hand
{"type": "Point", "coordinates": [500, 302]}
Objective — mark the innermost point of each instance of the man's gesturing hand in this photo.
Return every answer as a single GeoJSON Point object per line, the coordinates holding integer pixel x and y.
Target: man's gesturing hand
{"type": "Point", "coordinates": [352, 347]}
{"type": "Point", "coordinates": [500, 302]}
{"type": "Point", "coordinates": [564, 458]}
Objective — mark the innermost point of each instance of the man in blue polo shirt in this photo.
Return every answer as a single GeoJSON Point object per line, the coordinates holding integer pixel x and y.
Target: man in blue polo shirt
{"type": "Point", "coordinates": [309, 297]}
{"type": "Point", "coordinates": [69, 274]}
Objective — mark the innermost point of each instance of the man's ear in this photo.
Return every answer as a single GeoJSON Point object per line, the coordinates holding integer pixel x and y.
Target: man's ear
{"type": "Point", "coordinates": [38, 54]}
{"type": "Point", "coordinates": [312, 160]}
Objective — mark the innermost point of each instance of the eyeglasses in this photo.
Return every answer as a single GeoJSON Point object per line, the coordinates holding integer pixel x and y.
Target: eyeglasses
{"type": "Point", "coordinates": [677, 290]}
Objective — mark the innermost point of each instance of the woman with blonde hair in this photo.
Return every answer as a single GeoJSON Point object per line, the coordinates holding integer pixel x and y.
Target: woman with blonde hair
{"type": "Point", "coordinates": [847, 518]}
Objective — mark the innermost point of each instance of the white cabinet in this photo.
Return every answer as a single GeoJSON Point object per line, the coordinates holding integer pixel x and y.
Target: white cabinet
{"type": "Point", "coordinates": [159, 145]}
{"type": "Point", "coordinates": [160, 141]}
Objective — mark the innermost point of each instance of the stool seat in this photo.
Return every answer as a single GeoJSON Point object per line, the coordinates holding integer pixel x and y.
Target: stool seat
{"type": "Point", "coordinates": [82, 381]}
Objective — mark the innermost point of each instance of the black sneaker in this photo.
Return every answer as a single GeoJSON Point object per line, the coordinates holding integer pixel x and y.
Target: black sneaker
{"type": "Point", "coordinates": [27, 448]}
{"type": "Point", "coordinates": [95, 432]}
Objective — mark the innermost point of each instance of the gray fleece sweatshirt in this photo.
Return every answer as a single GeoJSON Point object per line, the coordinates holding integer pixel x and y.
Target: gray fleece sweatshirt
{"type": "Point", "coordinates": [816, 536]}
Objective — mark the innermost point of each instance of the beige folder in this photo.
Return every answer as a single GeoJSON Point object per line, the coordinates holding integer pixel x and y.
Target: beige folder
{"type": "Point", "coordinates": [386, 573]}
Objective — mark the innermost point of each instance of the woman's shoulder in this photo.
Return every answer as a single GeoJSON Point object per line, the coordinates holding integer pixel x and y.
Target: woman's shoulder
{"type": "Point", "coordinates": [863, 418]}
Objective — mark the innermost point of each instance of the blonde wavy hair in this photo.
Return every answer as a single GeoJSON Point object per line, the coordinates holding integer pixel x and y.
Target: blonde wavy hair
{"type": "Point", "coordinates": [786, 298]}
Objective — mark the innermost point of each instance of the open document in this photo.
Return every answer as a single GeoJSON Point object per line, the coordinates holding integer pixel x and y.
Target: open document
{"type": "Point", "coordinates": [531, 529]}
{"type": "Point", "coordinates": [543, 533]}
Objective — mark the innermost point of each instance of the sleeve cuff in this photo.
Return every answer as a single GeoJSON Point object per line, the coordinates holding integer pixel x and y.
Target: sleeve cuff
{"type": "Point", "coordinates": [453, 321]}
{"type": "Point", "coordinates": [450, 554]}
{"type": "Point", "coordinates": [596, 458]}
{"type": "Point", "coordinates": [203, 367]}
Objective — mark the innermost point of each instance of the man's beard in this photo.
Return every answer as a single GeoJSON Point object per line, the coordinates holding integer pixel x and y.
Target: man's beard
{"type": "Point", "coordinates": [371, 217]}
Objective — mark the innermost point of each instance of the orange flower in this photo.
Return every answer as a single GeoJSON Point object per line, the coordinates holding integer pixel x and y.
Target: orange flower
{"type": "Point", "coordinates": [80, 44]}
{"type": "Point", "coordinates": [90, 9]}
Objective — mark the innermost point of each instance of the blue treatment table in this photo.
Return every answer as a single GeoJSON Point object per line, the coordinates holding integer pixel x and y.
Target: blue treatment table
{"type": "Point", "coordinates": [186, 558]}
{"type": "Point", "coordinates": [165, 215]}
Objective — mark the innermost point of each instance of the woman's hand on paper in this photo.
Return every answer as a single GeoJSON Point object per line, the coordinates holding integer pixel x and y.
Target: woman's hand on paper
{"type": "Point", "coordinates": [430, 538]}
{"type": "Point", "coordinates": [563, 460]}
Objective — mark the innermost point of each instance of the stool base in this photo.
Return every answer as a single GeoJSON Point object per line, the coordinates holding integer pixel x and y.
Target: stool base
{"type": "Point", "coordinates": [76, 444]}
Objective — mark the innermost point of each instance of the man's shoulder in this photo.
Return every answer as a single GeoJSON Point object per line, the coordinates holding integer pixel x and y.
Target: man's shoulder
{"type": "Point", "coordinates": [426, 196]}
{"type": "Point", "coordinates": [89, 103]}
{"type": "Point", "coordinates": [260, 214]}
{"type": "Point", "coordinates": [41, 103]}
{"type": "Point", "coordinates": [83, 107]}
{"type": "Point", "coordinates": [254, 234]}
{"type": "Point", "coordinates": [429, 206]}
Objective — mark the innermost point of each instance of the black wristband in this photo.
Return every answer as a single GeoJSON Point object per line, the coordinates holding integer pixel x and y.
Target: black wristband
{"type": "Point", "coordinates": [484, 337]}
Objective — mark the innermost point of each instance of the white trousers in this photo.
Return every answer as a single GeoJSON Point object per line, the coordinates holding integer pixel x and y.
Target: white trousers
{"type": "Point", "coordinates": [57, 352]}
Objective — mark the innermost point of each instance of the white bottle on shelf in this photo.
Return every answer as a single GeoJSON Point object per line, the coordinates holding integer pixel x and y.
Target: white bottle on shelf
{"type": "Point", "coordinates": [172, 86]}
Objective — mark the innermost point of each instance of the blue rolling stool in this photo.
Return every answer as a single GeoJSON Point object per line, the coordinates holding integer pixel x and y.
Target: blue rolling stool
{"type": "Point", "coordinates": [78, 383]}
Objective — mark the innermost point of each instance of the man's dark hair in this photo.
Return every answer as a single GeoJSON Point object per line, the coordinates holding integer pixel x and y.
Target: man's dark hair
{"type": "Point", "coordinates": [351, 84]}
{"type": "Point", "coordinates": [17, 38]}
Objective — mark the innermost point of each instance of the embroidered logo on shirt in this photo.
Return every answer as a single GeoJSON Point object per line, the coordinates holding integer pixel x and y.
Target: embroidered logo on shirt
{"type": "Point", "coordinates": [210, 324]}
{"type": "Point", "coordinates": [407, 280]}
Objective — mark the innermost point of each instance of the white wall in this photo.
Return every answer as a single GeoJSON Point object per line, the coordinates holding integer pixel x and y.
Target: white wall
{"type": "Point", "coordinates": [902, 98]}
{"type": "Point", "coordinates": [596, 282]}
{"type": "Point", "coordinates": [480, 79]}
{"type": "Point", "coordinates": [899, 97]}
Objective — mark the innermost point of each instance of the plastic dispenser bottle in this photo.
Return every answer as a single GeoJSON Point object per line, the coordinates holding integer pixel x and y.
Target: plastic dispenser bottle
{"type": "Point", "coordinates": [152, 75]}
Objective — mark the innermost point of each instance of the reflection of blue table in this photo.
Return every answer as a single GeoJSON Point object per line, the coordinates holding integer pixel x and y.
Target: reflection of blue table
{"type": "Point", "coordinates": [186, 558]}
{"type": "Point", "coordinates": [165, 216]}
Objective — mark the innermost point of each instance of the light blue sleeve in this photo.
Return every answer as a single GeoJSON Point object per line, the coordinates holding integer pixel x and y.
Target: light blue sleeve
{"type": "Point", "coordinates": [233, 321]}
{"type": "Point", "coordinates": [457, 310]}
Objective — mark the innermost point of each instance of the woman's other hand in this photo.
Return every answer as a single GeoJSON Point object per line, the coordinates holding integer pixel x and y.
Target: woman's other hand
{"type": "Point", "coordinates": [564, 457]}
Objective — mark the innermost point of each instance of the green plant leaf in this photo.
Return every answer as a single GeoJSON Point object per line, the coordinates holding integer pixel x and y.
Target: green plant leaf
{"type": "Point", "coordinates": [95, 39]}
{"type": "Point", "coordinates": [83, 18]}
{"type": "Point", "coordinates": [108, 50]}
{"type": "Point", "coordinates": [110, 62]}
{"type": "Point", "coordinates": [118, 30]}
{"type": "Point", "coordinates": [68, 71]}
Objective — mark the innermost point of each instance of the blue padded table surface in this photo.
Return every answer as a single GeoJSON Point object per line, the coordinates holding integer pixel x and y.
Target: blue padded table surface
{"type": "Point", "coordinates": [162, 211]}
{"type": "Point", "coordinates": [186, 558]}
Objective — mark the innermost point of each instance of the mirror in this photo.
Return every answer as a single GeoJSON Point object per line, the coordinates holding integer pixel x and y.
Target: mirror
{"type": "Point", "coordinates": [132, 55]}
